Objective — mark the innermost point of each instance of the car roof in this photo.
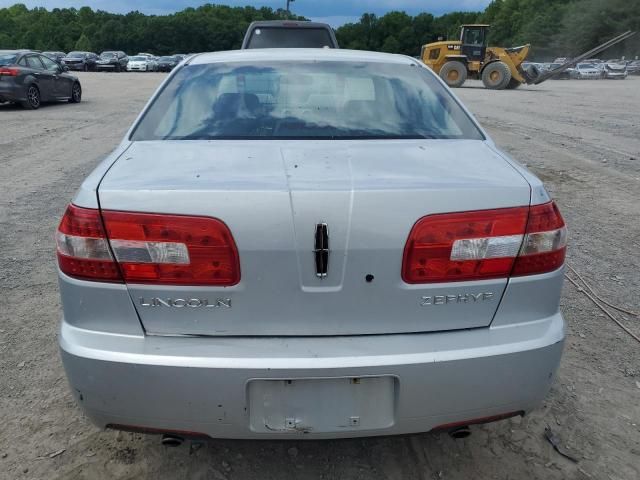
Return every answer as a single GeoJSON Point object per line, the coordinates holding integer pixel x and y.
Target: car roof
{"type": "Point", "coordinates": [288, 23]}
{"type": "Point", "coordinates": [299, 54]}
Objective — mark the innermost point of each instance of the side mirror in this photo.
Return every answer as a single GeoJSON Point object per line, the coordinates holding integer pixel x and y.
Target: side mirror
{"type": "Point", "coordinates": [65, 68]}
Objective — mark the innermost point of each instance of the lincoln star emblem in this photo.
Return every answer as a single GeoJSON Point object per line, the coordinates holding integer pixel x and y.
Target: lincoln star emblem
{"type": "Point", "coordinates": [321, 250]}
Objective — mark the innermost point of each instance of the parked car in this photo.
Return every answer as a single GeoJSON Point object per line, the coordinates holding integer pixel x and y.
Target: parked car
{"type": "Point", "coordinates": [112, 61]}
{"type": "Point", "coordinates": [56, 56]}
{"type": "Point", "coordinates": [139, 64]}
{"type": "Point", "coordinates": [166, 64]}
{"type": "Point", "coordinates": [84, 61]}
{"type": "Point", "coordinates": [152, 64]}
{"type": "Point", "coordinates": [586, 71]}
{"type": "Point", "coordinates": [615, 71]}
{"type": "Point", "coordinates": [564, 75]}
{"type": "Point", "coordinates": [308, 244]}
{"type": "Point", "coordinates": [30, 79]}
{"type": "Point", "coordinates": [289, 34]}
{"type": "Point", "coordinates": [633, 67]}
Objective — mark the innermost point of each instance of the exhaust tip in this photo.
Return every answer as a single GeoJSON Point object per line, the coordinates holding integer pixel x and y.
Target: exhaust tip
{"type": "Point", "coordinates": [460, 432]}
{"type": "Point", "coordinates": [172, 440]}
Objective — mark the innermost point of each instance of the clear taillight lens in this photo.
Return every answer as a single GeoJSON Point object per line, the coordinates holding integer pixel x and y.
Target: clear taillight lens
{"type": "Point", "coordinates": [485, 244]}
{"type": "Point", "coordinates": [148, 248]}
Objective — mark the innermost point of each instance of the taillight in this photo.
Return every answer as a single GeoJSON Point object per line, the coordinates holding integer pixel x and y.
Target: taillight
{"type": "Point", "coordinates": [9, 71]}
{"type": "Point", "coordinates": [82, 247]}
{"type": "Point", "coordinates": [545, 244]}
{"type": "Point", "coordinates": [485, 244]}
{"type": "Point", "coordinates": [148, 248]}
{"type": "Point", "coordinates": [172, 249]}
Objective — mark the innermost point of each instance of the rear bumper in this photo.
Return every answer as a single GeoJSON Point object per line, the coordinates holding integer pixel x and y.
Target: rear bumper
{"type": "Point", "coordinates": [75, 66]}
{"type": "Point", "coordinates": [10, 91]}
{"type": "Point", "coordinates": [201, 384]}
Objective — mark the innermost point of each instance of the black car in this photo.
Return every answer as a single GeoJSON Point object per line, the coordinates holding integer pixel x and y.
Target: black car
{"type": "Point", "coordinates": [81, 61]}
{"type": "Point", "coordinates": [57, 56]}
{"type": "Point", "coordinates": [166, 64]}
{"type": "Point", "coordinates": [114, 61]}
{"type": "Point", "coordinates": [289, 34]}
{"type": "Point", "coordinates": [31, 78]}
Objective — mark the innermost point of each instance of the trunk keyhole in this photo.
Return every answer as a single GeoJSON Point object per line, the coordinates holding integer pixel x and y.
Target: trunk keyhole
{"type": "Point", "coordinates": [369, 278]}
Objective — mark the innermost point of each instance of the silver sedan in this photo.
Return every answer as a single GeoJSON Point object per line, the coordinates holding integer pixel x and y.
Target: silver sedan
{"type": "Point", "coordinates": [309, 244]}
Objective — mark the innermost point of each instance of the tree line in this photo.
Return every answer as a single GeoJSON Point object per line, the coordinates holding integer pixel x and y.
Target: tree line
{"type": "Point", "coordinates": [553, 27]}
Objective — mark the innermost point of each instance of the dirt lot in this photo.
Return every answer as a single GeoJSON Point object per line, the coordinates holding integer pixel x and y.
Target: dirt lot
{"type": "Point", "coordinates": [581, 137]}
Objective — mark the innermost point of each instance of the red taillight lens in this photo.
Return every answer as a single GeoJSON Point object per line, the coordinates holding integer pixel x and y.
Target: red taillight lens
{"type": "Point", "coordinates": [172, 249]}
{"type": "Point", "coordinates": [9, 72]}
{"type": "Point", "coordinates": [148, 248]}
{"type": "Point", "coordinates": [464, 246]}
{"type": "Point", "coordinates": [485, 244]}
{"type": "Point", "coordinates": [82, 248]}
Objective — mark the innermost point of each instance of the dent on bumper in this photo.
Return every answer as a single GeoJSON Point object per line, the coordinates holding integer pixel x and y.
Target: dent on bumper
{"type": "Point", "coordinates": [201, 384]}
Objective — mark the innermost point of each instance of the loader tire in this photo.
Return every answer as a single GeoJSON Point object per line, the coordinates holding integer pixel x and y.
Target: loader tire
{"type": "Point", "coordinates": [496, 76]}
{"type": "Point", "coordinates": [513, 84]}
{"type": "Point", "coordinates": [531, 73]}
{"type": "Point", "coordinates": [454, 74]}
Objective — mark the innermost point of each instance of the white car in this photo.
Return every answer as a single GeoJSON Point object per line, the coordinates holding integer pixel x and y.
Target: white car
{"type": "Point", "coordinates": [587, 71]}
{"type": "Point", "coordinates": [138, 64]}
{"type": "Point", "coordinates": [615, 71]}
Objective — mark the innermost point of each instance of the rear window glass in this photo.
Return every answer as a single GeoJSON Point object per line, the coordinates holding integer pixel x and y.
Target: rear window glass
{"type": "Point", "coordinates": [294, 100]}
{"type": "Point", "coordinates": [8, 58]}
{"type": "Point", "coordinates": [290, 37]}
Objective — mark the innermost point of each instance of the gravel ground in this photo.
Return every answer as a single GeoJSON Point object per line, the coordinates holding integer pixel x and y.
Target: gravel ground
{"type": "Point", "coordinates": [581, 137]}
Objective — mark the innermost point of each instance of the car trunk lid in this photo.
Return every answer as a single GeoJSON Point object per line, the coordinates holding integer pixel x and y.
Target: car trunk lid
{"type": "Point", "coordinates": [278, 198]}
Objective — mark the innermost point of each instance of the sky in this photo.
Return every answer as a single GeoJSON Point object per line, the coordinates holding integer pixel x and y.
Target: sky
{"type": "Point", "coordinates": [334, 12]}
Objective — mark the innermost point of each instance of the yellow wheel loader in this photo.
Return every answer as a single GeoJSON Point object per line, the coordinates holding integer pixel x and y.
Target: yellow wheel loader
{"type": "Point", "coordinates": [470, 57]}
{"type": "Point", "coordinates": [497, 67]}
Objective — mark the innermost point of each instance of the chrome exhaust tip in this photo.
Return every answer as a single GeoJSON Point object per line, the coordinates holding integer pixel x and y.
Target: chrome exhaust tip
{"type": "Point", "coordinates": [171, 440]}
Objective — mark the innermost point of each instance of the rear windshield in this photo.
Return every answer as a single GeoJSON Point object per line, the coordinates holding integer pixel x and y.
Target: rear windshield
{"type": "Point", "coordinates": [296, 100]}
{"type": "Point", "coordinates": [7, 58]}
{"type": "Point", "coordinates": [167, 59]}
{"type": "Point", "coordinates": [289, 37]}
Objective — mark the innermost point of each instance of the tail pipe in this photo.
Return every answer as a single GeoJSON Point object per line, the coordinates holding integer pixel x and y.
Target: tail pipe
{"type": "Point", "coordinates": [169, 440]}
{"type": "Point", "coordinates": [460, 432]}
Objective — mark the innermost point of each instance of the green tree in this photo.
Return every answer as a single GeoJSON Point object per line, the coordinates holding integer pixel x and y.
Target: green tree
{"type": "Point", "coordinates": [83, 44]}
{"type": "Point", "coordinates": [552, 27]}
{"type": "Point", "coordinates": [390, 45]}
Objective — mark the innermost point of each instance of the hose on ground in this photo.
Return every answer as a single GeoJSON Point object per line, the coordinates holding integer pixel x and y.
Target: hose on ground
{"type": "Point", "coordinates": [596, 299]}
